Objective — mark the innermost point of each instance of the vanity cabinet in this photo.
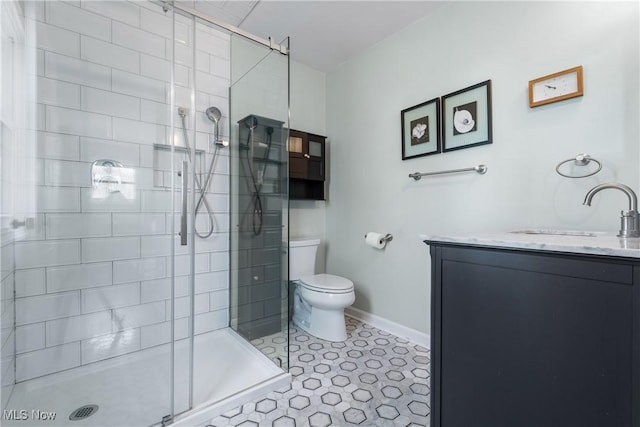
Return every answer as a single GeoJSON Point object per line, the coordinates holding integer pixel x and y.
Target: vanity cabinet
{"type": "Point", "coordinates": [533, 339]}
{"type": "Point", "coordinates": [306, 165]}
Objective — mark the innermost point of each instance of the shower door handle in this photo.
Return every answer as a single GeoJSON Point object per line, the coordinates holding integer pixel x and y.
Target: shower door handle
{"type": "Point", "coordinates": [183, 208]}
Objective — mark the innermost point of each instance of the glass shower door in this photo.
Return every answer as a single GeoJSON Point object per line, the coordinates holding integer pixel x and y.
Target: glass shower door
{"type": "Point", "coordinates": [183, 175]}
{"type": "Point", "coordinates": [259, 99]}
{"type": "Point", "coordinates": [94, 261]}
{"type": "Point", "coordinates": [222, 366]}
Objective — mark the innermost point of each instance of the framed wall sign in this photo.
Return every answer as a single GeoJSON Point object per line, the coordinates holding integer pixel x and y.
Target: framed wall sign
{"type": "Point", "coordinates": [421, 129]}
{"type": "Point", "coordinates": [466, 117]}
{"type": "Point", "coordinates": [556, 87]}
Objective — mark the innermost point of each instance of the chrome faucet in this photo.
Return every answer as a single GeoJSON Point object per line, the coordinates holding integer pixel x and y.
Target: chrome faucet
{"type": "Point", "coordinates": [629, 220]}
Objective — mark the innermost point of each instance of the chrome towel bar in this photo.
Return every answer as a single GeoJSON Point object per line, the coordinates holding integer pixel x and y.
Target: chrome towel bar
{"type": "Point", "coordinates": [481, 169]}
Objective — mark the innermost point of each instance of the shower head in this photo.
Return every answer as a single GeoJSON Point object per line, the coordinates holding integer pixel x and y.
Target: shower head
{"type": "Point", "coordinates": [251, 122]}
{"type": "Point", "coordinates": [214, 114]}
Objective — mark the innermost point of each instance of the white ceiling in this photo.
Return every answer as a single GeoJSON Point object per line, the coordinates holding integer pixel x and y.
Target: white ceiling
{"type": "Point", "coordinates": [324, 34]}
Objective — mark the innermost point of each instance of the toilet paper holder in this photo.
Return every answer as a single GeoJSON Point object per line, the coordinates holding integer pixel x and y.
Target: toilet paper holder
{"type": "Point", "coordinates": [386, 238]}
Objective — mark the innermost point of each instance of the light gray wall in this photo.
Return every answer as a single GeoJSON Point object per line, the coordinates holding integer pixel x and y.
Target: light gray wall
{"type": "Point", "coordinates": [461, 44]}
{"type": "Point", "coordinates": [308, 98]}
{"type": "Point", "coordinates": [308, 113]}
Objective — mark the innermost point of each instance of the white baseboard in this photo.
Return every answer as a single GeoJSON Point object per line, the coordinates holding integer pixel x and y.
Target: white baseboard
{"type": "Point", "coordinates": [396, 329]}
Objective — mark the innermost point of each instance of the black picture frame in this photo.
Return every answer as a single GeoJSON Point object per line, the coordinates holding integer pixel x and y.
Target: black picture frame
{"type": "Point", "coordinates": [466, 117]}
{"type": "Point", "coordinates": [420, 127]}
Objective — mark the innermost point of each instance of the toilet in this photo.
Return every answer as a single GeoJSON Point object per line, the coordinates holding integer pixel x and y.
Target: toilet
{"type": "Point", "coordinates": [319, 299]}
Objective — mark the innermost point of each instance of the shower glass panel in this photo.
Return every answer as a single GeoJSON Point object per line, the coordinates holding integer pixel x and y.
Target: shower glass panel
{"type": "Point", "coordinates": [201, 81]}
{"type": "Point", "coordinates": [118, 199]}
{"type": "Point", "coordinates": [17, 172]}
{"type": "Point", "coordinates": [259, 99]}
{"type": "Point", "coordinates": [92, 263]}
{"type": "Point", "coordinates": [178, 173]}
{"type": "Point", "coordinates": [215, 364]}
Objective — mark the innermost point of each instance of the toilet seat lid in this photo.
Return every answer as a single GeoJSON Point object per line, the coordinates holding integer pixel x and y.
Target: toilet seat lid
{"type": "Point", "coordinates": [327, 283]}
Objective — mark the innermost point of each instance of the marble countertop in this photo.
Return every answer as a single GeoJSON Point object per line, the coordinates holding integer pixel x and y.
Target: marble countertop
{"type": "Point", "coordinates": [578, 242]}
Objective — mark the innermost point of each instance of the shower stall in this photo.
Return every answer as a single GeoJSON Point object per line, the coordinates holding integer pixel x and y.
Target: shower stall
{"type": "Point", "coordinates": [143, 216]}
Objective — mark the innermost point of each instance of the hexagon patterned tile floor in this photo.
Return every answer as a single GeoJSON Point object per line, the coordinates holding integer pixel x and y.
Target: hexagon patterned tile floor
{"type": "Point", "coordinates": [372, 379]}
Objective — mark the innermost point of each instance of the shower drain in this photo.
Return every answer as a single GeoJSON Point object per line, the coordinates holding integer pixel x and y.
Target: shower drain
{"type": "Point", "coordinates": [83, 412]}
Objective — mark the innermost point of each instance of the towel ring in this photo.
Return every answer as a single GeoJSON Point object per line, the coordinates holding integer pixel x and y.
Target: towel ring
{"type": "Point", "coordinates": [580, 160]}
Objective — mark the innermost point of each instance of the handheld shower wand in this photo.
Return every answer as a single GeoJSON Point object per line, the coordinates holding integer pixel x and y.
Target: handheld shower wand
{"type": "Point", "coordinates": [256, 181]}
{"type": "Point", "coordinates": [251, 123]}
{"type": "Point", "coordinates": [213, 114]}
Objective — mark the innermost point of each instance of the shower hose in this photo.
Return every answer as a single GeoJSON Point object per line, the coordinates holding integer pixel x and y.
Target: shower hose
{"type": "Point", "coordinates": [201, 189]}
{"type": "Point", "coordinates": [257, 187]}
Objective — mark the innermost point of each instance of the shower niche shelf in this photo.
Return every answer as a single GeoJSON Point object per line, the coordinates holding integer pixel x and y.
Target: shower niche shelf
{"type": "Point", "coordinates": [163, 160]}
{"type": "Point", "coordinates": [306, 165]}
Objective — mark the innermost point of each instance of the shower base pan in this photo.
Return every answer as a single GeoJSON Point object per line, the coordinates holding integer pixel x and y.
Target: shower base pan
{"type": "Point", "coordinates": [133, 390]}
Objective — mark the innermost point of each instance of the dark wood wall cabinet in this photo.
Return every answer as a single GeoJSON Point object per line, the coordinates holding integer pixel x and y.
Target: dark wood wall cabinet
{"type": "Point", "coordinates": [306, 165]}
{"type": "Point", "coordinates": [533, 339]}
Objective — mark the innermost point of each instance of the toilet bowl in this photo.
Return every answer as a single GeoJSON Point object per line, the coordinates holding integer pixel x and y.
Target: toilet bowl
{"type": "Point", "coordinates": [319, 299]}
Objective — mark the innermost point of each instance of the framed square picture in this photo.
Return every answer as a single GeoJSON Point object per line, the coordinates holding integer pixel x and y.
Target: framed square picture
{"type": "Point", "coordinates": [421, 129]}
{"type": "Point", "coordinates": [466, 117]}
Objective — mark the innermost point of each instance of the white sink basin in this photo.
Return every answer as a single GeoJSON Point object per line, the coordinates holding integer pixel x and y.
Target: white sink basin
{"type": "Point", "coordinates": [555, 232]}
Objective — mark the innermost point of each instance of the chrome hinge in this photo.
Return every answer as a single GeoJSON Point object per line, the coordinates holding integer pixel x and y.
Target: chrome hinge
{"type": "Point", "coordinates": [167, 420]}
{"type": "Point", "coordinates": [28, 223]}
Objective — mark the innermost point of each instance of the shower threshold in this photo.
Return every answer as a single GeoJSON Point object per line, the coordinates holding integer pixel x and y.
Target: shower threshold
{"type": "Point", "coordinates": [133, 390]}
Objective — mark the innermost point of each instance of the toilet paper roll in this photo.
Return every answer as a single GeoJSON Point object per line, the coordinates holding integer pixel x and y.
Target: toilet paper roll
{"type": "Point", "coordinates": [375, 240]}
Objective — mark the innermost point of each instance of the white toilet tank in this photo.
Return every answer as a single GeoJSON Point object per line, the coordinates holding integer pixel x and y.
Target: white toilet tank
{"type": "Point", "coordinates": [302, 257]}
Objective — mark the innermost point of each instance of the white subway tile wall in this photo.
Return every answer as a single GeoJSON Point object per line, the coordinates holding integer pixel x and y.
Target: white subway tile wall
{"type": "Point", "coordinates": [105, 53]}
{"type": "Point", "coordinates": [77, 276]}
{"type": "Point", "coordinates": [51, 359]}
{"type": "Point", "coordinates": [58, 40]}
{"type": "Point", "coordinates": [93, 278]}
{"type": "Point", "coordinates": [60, 226]}
{"type": "Point", "coordinates": [30, 282]}
{"type": "Point", "coordinates": [75, 70]}
{"type": "Point", "coordinates": [58, 146]}
{"type": "Point", "coordinates": [30, 337]}
{"type": "Point", "coordinates": [56, 92]}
